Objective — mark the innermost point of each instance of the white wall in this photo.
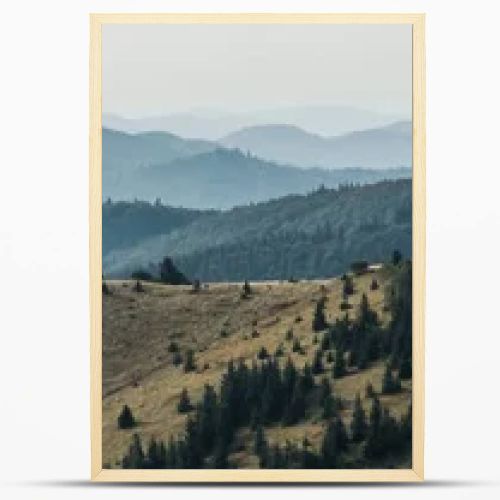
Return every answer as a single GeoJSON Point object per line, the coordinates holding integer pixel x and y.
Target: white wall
{"type": "Point", "coordinates": [43, 247]}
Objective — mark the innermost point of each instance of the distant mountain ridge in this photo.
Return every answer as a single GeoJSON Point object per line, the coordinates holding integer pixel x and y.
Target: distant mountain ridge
{"type": "Point", "coordinates": [385, 147]}
{"type": "Point", "coordinates": [326, 120]}
{"type": "Point", "coordinates": [202, 174]}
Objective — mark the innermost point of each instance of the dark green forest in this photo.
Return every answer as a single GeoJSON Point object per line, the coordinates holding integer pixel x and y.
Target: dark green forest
{"type": "Point", "coordinates": [126, 224]}
{"type": "Point", "coordinates": [296, 236]}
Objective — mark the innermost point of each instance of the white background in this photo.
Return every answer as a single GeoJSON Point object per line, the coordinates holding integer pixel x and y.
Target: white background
{"type": "Point", "coordinates": [44, 316]}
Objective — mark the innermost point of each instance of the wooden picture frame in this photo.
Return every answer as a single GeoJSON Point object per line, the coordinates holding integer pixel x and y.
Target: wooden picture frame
{"type": "Point", "coordinates": [416, 473]}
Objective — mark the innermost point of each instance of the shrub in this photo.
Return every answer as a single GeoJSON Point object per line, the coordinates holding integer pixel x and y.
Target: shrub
{"type": "Point", "coordinates": [279, 351]}
{"type": "Point", "coordinates": [173, 347]}
{"type": "Point", "coordinates": [289, 334]}
{"type": "Point", "coordinates": [263, 354]}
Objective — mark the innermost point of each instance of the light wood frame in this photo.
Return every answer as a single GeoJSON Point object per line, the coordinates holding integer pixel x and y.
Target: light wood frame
{"type": "Point", "coordinates": [416, 473]}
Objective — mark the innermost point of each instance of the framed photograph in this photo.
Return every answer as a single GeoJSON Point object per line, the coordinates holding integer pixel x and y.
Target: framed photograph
{"type": "Point", "coordinates": [257, 247]}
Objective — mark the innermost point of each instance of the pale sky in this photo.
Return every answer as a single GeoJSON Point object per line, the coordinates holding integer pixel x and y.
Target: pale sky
{"type": "Point", "coordinates": [161, 69]}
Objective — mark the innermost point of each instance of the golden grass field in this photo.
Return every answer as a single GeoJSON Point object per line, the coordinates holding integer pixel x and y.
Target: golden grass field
{"type": "Point", "coordinates": [138, 369]}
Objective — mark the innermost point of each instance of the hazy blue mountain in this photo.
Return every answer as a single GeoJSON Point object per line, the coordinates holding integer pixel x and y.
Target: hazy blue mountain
{"type": "Point", "coordinates": [213, 124]}
{"type": "Point", "coordinates": [123, 152]}
{"type": "Point", "coordinates": [220, 178]}
{"type": "Point", "coordinates": [386, 147]}
{"type": "Point", "coordinates": [312, 235]}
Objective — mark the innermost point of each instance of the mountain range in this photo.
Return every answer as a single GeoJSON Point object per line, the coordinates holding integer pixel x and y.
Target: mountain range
{"type": "Point", "coordinates": [203, 174]}
{"type": "Point", "coordinates": [385, 147]}
{"type": "Point", "coordinates": [214, 124]}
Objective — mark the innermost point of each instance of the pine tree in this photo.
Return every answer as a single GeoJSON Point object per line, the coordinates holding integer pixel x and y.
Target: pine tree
{"type": "Point", "coordinates": [154, 459]}
{"type": "Point", "coordinates": [396, 257]}
{"type": "Point", "coordinates": [221, 456]}
{"type": "Point", "coordinates": [297, 407]}
{"type": "Point", "coordinates": [325, 389]}
{"type": "Point", "coordinates": [390, 384]}
{"type": "Point", "coordinates": [374, 285]}
{"type": "Point", "coordinates": [296, 346]}
{"type": "Point", "coordinates": [325, 341]}
{"type": "Point", "coordinates": [339, 368]}
{"type": "Point", "coordinates": [329, 407]}
{"type": "Point", "coordinates": [374, 441]}
{"type": "Point", "coordinates": [184, 405]}
{"type": "Point", "coordinates": [317, 366]}
{"type": "Point", "coordinates": [260, 442]}
{"type": "Point", "coordinates": [126, 420]}
{"type": "Point", "coordinates": [193, 454]}
{"type": "Point", "coordinates": [348, 288]}
{"type": "Point", "coordinates": [307, 378]}
{"type": "Point", "coordinates": [369, 391]}
{"type": "Point", "coordinates": [319, 321]}
{"type": "Point", "coordinates": [138, 287]}
{"type": "Point", "coordinates": [177, 358]}
{"type": "Point", "coordinates": [405, 370]}
{"type": "Point", "coordinates": [329, 448]}
{"type": "Point", "coordinates": [134, 459]}
{"type": "Point", "coordinates": [246, 290]}
{"type": "Point", "coordinates": [189, 363]}
{"type": "Point", "coordinates": [172, 460]}
{"type": "Point", "coordinates": [329, 357]}
{"type": "Point", "coordinates": [279, 352]}
{"type": "Point", "coordinates": [358, 423]}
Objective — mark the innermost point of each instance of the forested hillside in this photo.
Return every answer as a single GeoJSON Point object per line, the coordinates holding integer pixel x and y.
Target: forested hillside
{"type": "Point", "coordinates": [125, 224]}
{"type": "Point", "coordinates": [300, 236]}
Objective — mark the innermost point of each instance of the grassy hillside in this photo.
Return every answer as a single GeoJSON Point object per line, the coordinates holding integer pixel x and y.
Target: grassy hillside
{"type": "Point", "coordinates": [308, 236]}
{"type": "Point", "coordinates": [220, 325]}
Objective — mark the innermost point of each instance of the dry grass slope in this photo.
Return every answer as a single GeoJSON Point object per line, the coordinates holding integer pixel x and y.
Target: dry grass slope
{"type": "Point", "coordinates": [138, 369]}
